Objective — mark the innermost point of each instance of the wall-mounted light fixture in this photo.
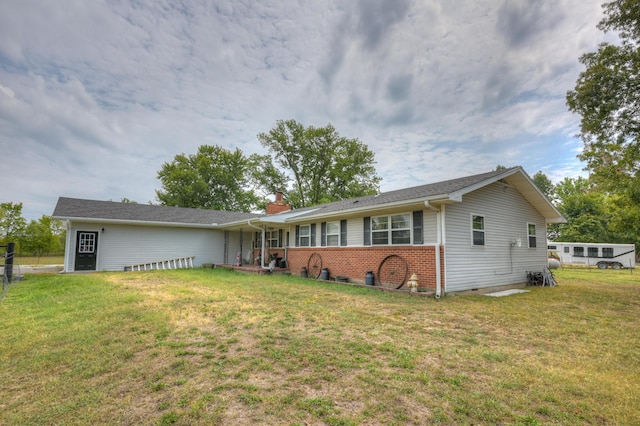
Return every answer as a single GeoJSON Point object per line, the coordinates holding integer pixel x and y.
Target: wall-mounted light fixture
{"type": "Point", "coordinates": [103, 230]}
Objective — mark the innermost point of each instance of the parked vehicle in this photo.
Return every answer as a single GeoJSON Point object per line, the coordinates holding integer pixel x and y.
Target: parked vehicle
{"type": "Point", "coordinates": [601, 255]}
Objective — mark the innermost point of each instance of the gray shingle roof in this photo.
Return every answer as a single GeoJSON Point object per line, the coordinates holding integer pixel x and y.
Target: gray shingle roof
{"type": "Point", "coordinates": [406, 194]}
{"type": "Point", "coordinates": [74, 208]}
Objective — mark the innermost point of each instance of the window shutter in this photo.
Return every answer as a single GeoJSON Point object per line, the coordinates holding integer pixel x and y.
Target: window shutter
{"type": "Point", "coordinates": [313, 235]}
{"type": "Point", "coordinates": [280, 242]}
{"type": "Point", "coordinates": [418, 237]}
{"type": "Point", "coordinates": [367, 231]}
{"type": "Point", "coordinates": [297, 235]}
{"type": "Point", "coordinates": [343, 232]}
{"type": "Point", "coordinates": [323, 234]}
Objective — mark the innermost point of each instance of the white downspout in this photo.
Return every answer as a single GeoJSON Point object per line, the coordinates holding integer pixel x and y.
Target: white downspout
{"type": "Point", "coordinates": [67, 251]}
{"type": "Point", "coordinates": [443, 241]}
{"type": "Point", "coordinates": [262, 252]}
{"type": "Point", "coordinates": [438, 244]}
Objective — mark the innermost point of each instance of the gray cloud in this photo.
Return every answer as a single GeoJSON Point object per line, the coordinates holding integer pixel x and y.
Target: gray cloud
{"type": "Point", "coordinates": [399, 87]}
{"type": "Point", "coordinates": [522, 22]}
{"type": "Point", "coordinates": [376, 19]}
{"type": "Point", "coordinates": [98, 95]}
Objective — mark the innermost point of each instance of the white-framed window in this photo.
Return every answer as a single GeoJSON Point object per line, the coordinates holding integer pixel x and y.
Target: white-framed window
{"type": "Point", "coordinates": [477, 230]}
{"type": "Point", "coordinates": [273, 238]}
{"type": "Point", "coordinates": [531, 234]}
{"type": "Point", "coordinates": [87, 242]}
{"type": "Point", "coordinates": [333, 233]}
{"type": "Point", "coordinates": [592, 251]}
{"type": "Point", "coordinates": [393, 229]}
{"type": "Point", "coordinates": [578, 251]}
{"type": "Point", "coordinates": [305, 236]}
{"type": "Point", "coordinates": [607, 252]}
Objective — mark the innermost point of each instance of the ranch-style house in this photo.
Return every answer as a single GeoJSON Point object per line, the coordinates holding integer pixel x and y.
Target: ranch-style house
{"type": "Point", "coordinates": [472, 233]}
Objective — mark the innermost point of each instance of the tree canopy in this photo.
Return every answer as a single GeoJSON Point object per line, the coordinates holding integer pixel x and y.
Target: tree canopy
{"type": "Point", "coordinates": [322, 165]}
{"type": "Point", "coordinates": [312, 165]}
{"type": "Point", "coordinates": [544, 184]}
{"type": "Point", "coordinates": [38, 237]}
{"type": "Point", "coordinates": [12, 224]}
{"type": "Point", "coordinates": [214, 178]}
{"type": "Point", "coordinates": [607, 97]}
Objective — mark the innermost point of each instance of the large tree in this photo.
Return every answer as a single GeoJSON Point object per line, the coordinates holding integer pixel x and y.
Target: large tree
{"type": "Point", "coordinates": [322, 165]}
{"type": "Point", "coordinates": [214, 178]}
{"type": "Point", "coordinates": [544, 184]}
{"type": "Point", "coordinates": [585, 210]}
{"type": "Point", "coordinates": [607, 97]}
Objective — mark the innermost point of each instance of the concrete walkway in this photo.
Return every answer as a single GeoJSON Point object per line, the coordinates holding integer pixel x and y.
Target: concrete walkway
{"type": "Point", "coordinates": [34, 269]}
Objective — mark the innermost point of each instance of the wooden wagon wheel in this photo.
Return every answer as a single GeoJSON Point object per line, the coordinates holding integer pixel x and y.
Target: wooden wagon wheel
{"type": "Point", "coordinates": [392, 272]}
{"type": "Point", "coordinates": [314, 265]}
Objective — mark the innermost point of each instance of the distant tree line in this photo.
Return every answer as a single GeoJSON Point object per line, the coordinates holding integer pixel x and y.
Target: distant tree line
{"type": "Point", "coordinates": [37, 238]}
{"type": "Point", "coordinates": [593, 215]}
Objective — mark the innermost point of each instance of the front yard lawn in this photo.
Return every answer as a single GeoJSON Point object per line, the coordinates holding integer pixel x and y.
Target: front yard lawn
{"type": "Point", "coordinates": [216, 347]}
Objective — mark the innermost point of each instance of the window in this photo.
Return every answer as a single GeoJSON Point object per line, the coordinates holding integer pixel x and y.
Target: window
{"type": "Point", "coordinates": [394, 229]}
{"type": "Point", "coordinates": [578, 251]}
{"type": "Point", "coordinates": [531, 232]}
{"type": "Point", "coordinates": [477, 228]}
{"type": "Point", "coordinates": [552, 247]}
{"type": "Point", "coordinates": [333, 233]}
{"type": "Point", "coordinates": [305, 236]}
{"type": "Point", "coordinates": [401, 229]}
{"type": "Point", "coordinates": [592, 251]}
{"type": "Point", "coordinates": [607, 252]}
{"type": "Point", "coordinates": [566, 249]}
{"type": "Point", "coordinates": [273, 238]}
{"type": "Point", "coordinates": [380, 230]}
{"type": "Point", "coordinates": [87, 242]}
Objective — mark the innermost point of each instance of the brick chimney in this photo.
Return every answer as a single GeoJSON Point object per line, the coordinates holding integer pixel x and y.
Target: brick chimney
{"type": "Point", "coordinates": [278, 206]}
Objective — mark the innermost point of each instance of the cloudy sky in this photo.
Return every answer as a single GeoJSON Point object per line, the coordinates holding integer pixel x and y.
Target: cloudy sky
{"type": "Point", "coordinates": [96, 95]}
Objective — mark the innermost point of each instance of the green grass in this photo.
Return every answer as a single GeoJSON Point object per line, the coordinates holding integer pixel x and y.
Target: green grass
{"type": "Point", "coordinates": [216, 347]}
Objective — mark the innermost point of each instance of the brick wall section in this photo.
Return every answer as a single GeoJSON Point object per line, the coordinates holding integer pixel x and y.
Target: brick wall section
{"type": "Point", "coordinates": [354, 262]}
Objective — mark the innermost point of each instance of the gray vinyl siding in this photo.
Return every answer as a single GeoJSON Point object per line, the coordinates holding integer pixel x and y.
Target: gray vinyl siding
{"type": "Point", "coordinates": [122, 245]}
{"type": "Point", "coordinates": [506, 215]}
{"type": "Point", "coordinates": [355, 232]}
{"type": "Point", "coordinates": [430, 227]}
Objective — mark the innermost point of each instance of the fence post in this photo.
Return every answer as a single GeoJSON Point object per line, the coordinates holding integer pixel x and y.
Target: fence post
{"type": "Point", "coordinates": [8, 262]}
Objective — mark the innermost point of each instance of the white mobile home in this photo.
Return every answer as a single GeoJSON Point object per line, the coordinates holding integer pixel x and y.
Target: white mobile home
{"type": "Point", "coordinates": [603, 256]}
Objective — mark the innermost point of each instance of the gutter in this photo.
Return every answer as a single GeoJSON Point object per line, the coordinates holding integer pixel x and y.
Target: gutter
{"type": "Point", "coordinates": [137, 222]}
{"type": "Point", "coordinates": [415, 201]}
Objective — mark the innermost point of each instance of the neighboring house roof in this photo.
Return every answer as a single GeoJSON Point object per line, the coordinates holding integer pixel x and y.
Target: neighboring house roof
{"type": "Point", "coordinates": [423, 196]}
{"type": "Point", "coordinates": [115, 212]}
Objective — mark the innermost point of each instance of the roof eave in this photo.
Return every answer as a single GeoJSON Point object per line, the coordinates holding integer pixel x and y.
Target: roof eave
{"type": "Point", "coordinates": [137, 222]}
{"type": "Point", "coordinates": [441, 198]}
